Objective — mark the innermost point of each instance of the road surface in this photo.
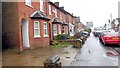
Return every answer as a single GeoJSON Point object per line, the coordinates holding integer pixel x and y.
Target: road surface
{"type": "Point", "coordinates": [94, 54]}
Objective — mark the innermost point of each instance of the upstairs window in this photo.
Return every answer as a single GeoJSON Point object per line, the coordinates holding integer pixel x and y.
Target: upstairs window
{"type": "Point", "coordinates": [28, 2]}
{"type": "Point", "coordinates": [60, 15]}
{"type": "Point", "coordinates": [56, 13]}
{"type": "Point", "coordinates": [41, 6]}
{"type": "Point", "coordinates": [50, 11]}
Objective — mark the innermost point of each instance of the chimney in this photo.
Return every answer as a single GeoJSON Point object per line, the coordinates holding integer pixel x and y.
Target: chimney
{"type": "Point", "coordinates": [57, 4]}
{"type": "Point", "coordinates": [62, 7]}
{"type": "Point", "coordinates": [72, 14]}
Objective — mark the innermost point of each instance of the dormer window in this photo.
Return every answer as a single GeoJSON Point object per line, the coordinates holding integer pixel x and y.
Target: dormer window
{"type": "Point", "coordinates": [28, 2]}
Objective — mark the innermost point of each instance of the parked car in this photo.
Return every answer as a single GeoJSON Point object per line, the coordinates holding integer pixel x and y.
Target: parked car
{"type": "Point", "coordinates": [110, 38]}
{"type": "Point", "coordinates": [97, 33]}
{"type": "Point", "coordinates": [104, 32]}
{"type": "Point", "coordinates": [85, 34]}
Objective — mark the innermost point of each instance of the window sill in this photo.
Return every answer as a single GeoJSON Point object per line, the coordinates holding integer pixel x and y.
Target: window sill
{"type": "Point", "coordinates": [37, 36]}
{"type": "Point", "coordinates": [55, 34]}
{"type": "Point", "coordinates": [46, 35]}
{"type": "Point", "coordinates": [50, 14]}
{"type": "Point", "coordinates": [29, 6]}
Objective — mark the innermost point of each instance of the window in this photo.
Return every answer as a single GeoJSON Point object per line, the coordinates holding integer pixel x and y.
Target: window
{"type": "Point", "coordinates": [54, 29]}
{"type": "Point", "coordinates": [36, 29]}
{"type": "Point", "coordinates": [56, 13]}
{"type": "Point", "coordinates": [45, 29]}
{"type": "Point", "coordinates": [59, 29]}
{"type": "Point", "coordinates": [41, 6]}
{"type": "Point", "coordinates": [60, 15]}
{"type": "Point", "coordinates": [50, 11]}
{"type": "Point", "coordinates": [63, 30]}
{"type": "Point", "coordinates": [28, 2]}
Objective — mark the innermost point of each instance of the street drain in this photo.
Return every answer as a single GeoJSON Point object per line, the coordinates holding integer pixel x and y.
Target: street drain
{"type": "Point", "coordinates": [67, 57]}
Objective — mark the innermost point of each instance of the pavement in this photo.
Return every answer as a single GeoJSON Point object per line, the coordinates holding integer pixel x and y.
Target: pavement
{"type": "Point", "coordinates": [36, 57]}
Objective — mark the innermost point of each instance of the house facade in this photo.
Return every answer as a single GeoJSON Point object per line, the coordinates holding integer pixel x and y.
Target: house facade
{"type": "Point", "coordinates": [29, 23]}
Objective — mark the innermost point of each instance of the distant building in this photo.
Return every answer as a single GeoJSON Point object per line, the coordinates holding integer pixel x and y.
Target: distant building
{"type": "Point", "coordinates": [89, 24]}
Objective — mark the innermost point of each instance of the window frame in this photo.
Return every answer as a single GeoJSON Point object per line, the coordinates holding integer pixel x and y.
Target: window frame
{"type": "Point", "coordinates": [45, 29]}
{"type": "Point", "coordinates": [28, 3]}
{"type": "Point", "coordinates": [37, 36]}
{"type": "Point", "coordinates": [59, 29]}
{"type": "Point", "coordinates": [54, 29]}
{"type": "Point", "coordinates": [42, 5]}
{"type": "Point", "coordinates": [60, 15]}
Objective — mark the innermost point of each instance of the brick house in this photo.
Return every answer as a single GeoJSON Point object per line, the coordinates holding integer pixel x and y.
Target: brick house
{"type": "Point", "coordinates": [25, 28]}
{"type": "Point", "coordinates": [69, 19]}
{"type": "Point", "coordinates": [57, 23]}
{"type": "Point", "coordinates": [29, 23]}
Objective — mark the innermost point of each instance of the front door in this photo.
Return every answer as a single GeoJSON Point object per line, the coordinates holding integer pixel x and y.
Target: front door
{"type": "Point", "coordinates": [25, 34]}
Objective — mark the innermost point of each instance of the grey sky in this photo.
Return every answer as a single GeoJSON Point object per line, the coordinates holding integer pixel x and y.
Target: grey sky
{"type": "Point", "coordinates": [97, 11]}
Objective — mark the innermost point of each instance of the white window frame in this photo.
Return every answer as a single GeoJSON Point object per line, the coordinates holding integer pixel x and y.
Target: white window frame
{"type": "Point", "coordinates": [28, 3]}
{"type": "Point", "coordinates": [41, 5]}
{"type": "Point", "coordinates": [37, 36]}
{"type": "Point", "coordinates": [54, 29]}
{"type": "Point", "coordinates": [45, 28]}
{"type": "Point", "coordinates": [50, 10]}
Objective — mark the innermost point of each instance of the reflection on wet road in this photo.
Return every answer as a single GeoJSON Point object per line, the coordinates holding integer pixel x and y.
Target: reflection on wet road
{"type": "Point", "coordinates": [94, 54]}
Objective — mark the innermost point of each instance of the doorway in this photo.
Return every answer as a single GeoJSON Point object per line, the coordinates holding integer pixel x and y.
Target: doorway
{"type": "Point", "coordinates": [25, 34]}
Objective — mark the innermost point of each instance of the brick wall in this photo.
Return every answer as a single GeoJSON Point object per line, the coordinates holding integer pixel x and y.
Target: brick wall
{"type": "Point", "coordinates": [10, 26]}
{"type": "Point", "coordinates": [34, 42]}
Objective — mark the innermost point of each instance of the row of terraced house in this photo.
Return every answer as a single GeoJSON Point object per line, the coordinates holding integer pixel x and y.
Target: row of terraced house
{"type": "Point", "coordinates": [28, 24]}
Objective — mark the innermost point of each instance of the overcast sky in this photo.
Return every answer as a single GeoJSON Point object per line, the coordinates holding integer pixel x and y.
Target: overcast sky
{"type": "Point", "coordinates": [97, 11]}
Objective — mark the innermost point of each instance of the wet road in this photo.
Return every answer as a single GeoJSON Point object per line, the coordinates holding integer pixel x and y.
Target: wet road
{"type": "Point", "coordinates": [94, 54]}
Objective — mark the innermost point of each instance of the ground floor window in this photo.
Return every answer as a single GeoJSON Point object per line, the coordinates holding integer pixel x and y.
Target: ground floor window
{"type": "Point", "coordinates": [59, 29]}
{"type": "Point", "coordinates": [45, 29]}
{"type": "Point", "coordinates": [55, 29]}
{"type": "Point", "coordinates": [63, 30]}
{"type": "Point", "coordinates": [36, 29]}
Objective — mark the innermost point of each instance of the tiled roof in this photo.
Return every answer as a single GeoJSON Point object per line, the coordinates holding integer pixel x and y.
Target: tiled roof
{"type": "Point", "coordinates": [39, 15]}
{"type": "Point", "coordinates": [55, 20]}
{"type": "Point", "coordinates": [64, 23]}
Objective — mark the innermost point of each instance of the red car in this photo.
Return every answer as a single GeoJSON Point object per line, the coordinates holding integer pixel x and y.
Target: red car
{"type": "Point", "coordinates": [110, 38]}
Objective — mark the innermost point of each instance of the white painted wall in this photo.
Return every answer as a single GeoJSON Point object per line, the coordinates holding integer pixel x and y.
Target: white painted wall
{"type": "Point", "coordinates": [25, 33]}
